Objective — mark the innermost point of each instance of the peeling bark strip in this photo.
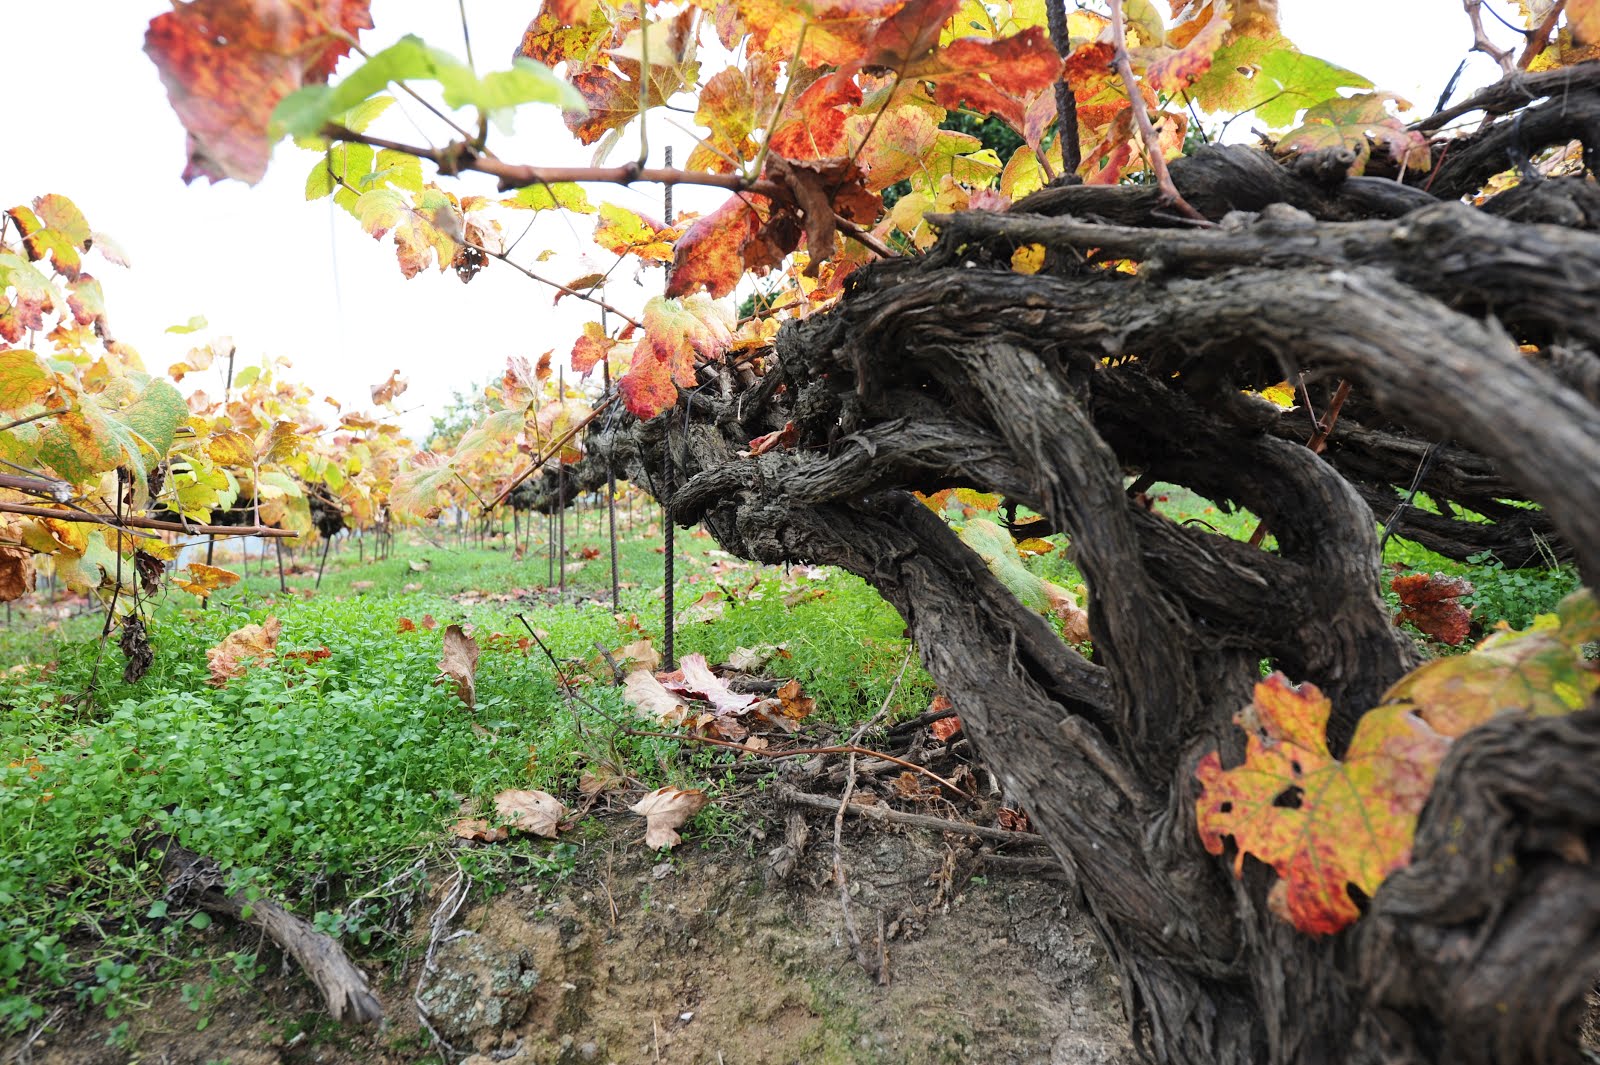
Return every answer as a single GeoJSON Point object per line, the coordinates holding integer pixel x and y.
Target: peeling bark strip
{"type": "Point", "coordinates": [1466, 332]}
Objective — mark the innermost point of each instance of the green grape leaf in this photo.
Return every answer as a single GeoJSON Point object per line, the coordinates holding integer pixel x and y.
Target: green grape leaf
{"type": "Point", "coordinates": [304, 113]}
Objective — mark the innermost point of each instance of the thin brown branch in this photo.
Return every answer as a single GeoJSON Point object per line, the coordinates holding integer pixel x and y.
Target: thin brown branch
{"type": "Point", "coordinates": [60, 491]}
{"type": "Point", "coordinates": [1066, 100]}
{"type": "Point", "coordinates": [789, 794]}
{"type": "Point", "coordinates": [553, 449]}
{"type": "Point", "coordinates": [1480, 39]}
{"type": "Point", "coordinates": [8, 426]}
{"type": "Point", "coordinates": [1141, 118]}
{"type": "Point", "coordinates": [798, 752]}
{"type": "Point", "coordinates": [457, 157]}
{"type": "Point", "coordinates": [1539, 36]}
{"type": "Point", "coordinates": [143, 523]}
{"type": "Point", "coordinates": [876, 246]}
{"type": "Point", "coordinates": [587, 296]}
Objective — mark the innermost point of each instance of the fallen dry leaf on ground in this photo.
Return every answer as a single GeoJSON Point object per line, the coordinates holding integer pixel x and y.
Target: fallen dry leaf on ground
{"type": "Point", "coordinates": [665, 810]}
{"type": "Point", "coordinates": [536, 812]}
{"type": "Point", "coordinates": [479, 829]}
{"type": "Point", "coordinates": [232, 657]}
{"type": "Point", "coordinates": [460, 664]}
{"type": "Point", "coordinates": [753, 659]}
{"type": "Point", "coordinates": [645, 694]}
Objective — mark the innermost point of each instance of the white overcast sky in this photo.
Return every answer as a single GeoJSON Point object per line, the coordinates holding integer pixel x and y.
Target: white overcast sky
{"type": "Point", "coordinates": [88, 118]}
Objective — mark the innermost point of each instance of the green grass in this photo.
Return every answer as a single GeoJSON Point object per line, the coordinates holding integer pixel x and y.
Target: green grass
{"type": "Point", "coordinates": [319, 782]}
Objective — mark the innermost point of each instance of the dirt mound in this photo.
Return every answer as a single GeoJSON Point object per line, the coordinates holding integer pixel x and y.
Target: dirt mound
{"type": "Point", "coordinates": [704, 959]}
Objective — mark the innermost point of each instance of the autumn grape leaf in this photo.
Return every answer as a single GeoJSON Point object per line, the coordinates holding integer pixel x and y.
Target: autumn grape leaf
{"type": "Point", "coordinates": [229, 659]}
{"type": "Point", "coordinates": [204, 579]}
{"type": "Point", "coordinates": [29, 299]}
{"type": "Point", "coordinates": [23, 379]}
{"type": "Point", "coordinates": [812, 127]}
{"type": "Point", "coordinates": [560, 196]}
{"type": "Point", "coordinates": [991, 76]}
{"type": "Point", "coordinates": [16, 572]}
{"type": "Point", "coordinates": [125, 425]}
{"type": "Point", "coordinates": [591, 348]}
{"type": "Point", "coordinates": [626, 232]}
{"type": "Point", "coordinates": [1323, 824]}
{"type": "Point", "coordinates": [994, 545]}
{"type": "Point", "coordinates": [1431, 603]}
{"type": "Point", "coordinates": [54, 228]}
{"type": "Point", "coordinates": [419, 490]}
{"type": "Point", "coordinates": [732, 105]}
{"type": "Point", "coordinates": [227, 64]}
{"type": "Point", "coordinates": [536, 812]}
{"type": "Point", "coordinates": [1270, 76]}
{"type": "Point", "coordinates": [1544, 670]}
{"type": "Point", "coordinates": [1319, 822]}
{"type": "Point", "coordinates": [1347, 122]}
{"type": "Point", "coordinates": [677, 334]}
{"type": "Point", "coordinates": [718, 249]}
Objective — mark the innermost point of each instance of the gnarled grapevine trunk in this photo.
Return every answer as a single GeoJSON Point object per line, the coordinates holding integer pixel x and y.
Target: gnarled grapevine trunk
{"type": "Point", "coordinates": [1468, 337]}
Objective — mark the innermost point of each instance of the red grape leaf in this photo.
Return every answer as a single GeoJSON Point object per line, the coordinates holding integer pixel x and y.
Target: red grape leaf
{"type": "Point", "coordinates": [716, 250]}
{"type": "Point", "coordinates": [1322, 824]}
{"type": "Point", "coordinates": [991, 75]}
{"type": "Point", "coordinates": [226, 65]}
{"type": "Point", "coordinates": [1429, 603]}
{"type": "Point", "coordinates": [677, 333]}
{"type": "Point", "coordinates": [813, 126]}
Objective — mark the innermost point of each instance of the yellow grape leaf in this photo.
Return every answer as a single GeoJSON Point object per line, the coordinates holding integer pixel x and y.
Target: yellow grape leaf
{"type": "Point", "coordinates": [204, 579]}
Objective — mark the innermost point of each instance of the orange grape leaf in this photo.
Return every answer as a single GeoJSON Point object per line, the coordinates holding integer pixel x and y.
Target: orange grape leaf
{"type": "Point", "coordinates": [733, 104]}
{"type": "Point", "coordinates": [459, 664]}
{"type": "Point", "coordinates": [909, 34]}
{"type": "Point", "coordinates": [31, 297]}
{"type": "Point", "coordinates": [665, 810]}
{"type": "Point", "coordinates": [16, 572]}
{"type": "Point", "coordinates": [1322, 824]}
{"type": "Point", "coordinates": [1174, 70]}
{"type": "Point", "coordinates": [591, 348]}
{"type": "Point", "coordinates": [204, 579]}
{"type": "Point", "coordinates": [612, 102]}
{"type": "Point", "coordinates": [559, 34]}
{"type": "Point", "coordinates": [1430, 603]}
{"type": "Point", "coordinates": [386, 392]}
{"type": "Point", "coordinates": [677, 333]}
{"type": "Point", "coordinates": [226, 65]}
{"type": "Point", "coordinates": [229, 659]}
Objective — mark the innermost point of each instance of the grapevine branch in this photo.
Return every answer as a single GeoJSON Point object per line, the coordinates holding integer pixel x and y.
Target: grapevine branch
{"type": "Point", "coordinates": [1141, 118]}
{"type": "Point", "coordinates": [458, 156]}
{"type": "Point", "coordinates": [554, 449]}
{"type": "Point", "coordinates": [143, 523]}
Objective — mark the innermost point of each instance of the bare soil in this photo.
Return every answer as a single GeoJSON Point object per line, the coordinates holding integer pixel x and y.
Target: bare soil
{"type": "Point", "coordinates": [706, 959]}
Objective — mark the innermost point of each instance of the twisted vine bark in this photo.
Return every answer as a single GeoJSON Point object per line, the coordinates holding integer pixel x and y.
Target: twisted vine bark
{"type": "Point", "coordinates": [1464, 330]}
